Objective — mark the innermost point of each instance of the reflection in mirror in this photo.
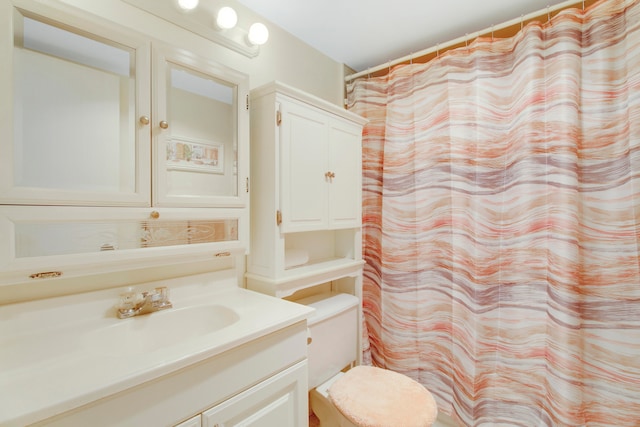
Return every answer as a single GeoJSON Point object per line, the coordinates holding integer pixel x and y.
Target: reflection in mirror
{"type": "Point", "coordinates": [202, 150]}
{"type": "Point", "coordinates": [74, 110]}
{"type": "Point", "coordinates": [35, 239]}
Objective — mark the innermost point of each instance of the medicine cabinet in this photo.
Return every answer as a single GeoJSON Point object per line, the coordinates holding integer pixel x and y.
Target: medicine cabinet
{"type": "Point", "coordinates": [81, 127]}
{"type": "Point", "coordinates": [96, 118]}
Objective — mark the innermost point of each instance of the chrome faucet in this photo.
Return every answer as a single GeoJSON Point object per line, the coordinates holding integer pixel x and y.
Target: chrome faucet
{"type": "Point", "coordinates": [133, 303]}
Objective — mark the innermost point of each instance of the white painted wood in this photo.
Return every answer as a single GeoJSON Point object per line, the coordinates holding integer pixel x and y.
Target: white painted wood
{"type": "Point", "coordinates": [280, 401]}
{"type": "Point", "coordinates": [321, 214]}
{"type": "Point", "coordinates": [304, 137]}
{"type": "Point", "coordinates": [345, 161]}
{"type": "Point", "coordinates": [188, 190]}
{"type": "Point", "coordinates": [191, 422]}
{"type": "Point", "coordinates": [92, 227]}
{"type": "Point", "coordinates": [22, 184]}
{"type": "Point", "coordinates": [197, 188]}
{"type": "Point", "coordinates": [174, 397]}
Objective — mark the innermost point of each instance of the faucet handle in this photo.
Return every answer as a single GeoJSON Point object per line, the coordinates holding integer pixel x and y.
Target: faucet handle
{"type": "Point", "coordinates": [163, 293]}
{"type": "Point", "coordinates": [127, 303]}
{"type": "Point", "coordinates": [162, 296]}
{"type": "Point", "coordinates": [127, 300]}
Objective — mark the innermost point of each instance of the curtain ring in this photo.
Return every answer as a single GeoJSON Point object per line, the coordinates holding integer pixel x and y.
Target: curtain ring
{"type": "Point", "coordinates": [548, 13]}
{"type": "Point", "coordinates": [583, 5]}
{"type": "Point", "coordinates": [437, 50]}
{"type": "Point", "coordinates": [466, 39]}
{"type": "Point", "coordinates": [491, 32]}
{"type": "Point", "coordinates": [521, 22]}
{"type": "Point", "coordinates": [411, 58]}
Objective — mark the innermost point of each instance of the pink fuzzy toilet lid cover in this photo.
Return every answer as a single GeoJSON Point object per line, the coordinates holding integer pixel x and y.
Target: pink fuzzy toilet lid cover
{"type": "Point", "coordinates": [375, 397]}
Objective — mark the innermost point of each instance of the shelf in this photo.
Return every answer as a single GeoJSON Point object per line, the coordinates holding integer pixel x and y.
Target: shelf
{"type": "Point", "coordinates": [304, 276]}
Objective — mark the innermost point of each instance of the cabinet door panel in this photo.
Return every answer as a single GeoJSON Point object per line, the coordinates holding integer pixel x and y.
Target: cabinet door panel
{"type": "Point", "coordinates": [191, 422]}
{"type": "Point", "coordinates": [79, 240]}
{"type": "Point", "coordinates": [200, 131]}
{"type": "Point", "coordinates": [280, 401]}
{"type": "Point", "coordinates": [304, 135]}
{"type": "Point", "coordinates": [345, 163]}
{"type": "Point", "coordinates": [73, 98]}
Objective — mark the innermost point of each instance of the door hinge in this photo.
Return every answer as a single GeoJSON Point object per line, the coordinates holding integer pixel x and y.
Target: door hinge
{"type": "Point", "coordinates": [278, 118]}
{"type": "Point", "coordinates": [247, 185]}
{"type": "Point", "coordinates": [247, 102]}
{"type": "Point", "coordinates": [278, 217]}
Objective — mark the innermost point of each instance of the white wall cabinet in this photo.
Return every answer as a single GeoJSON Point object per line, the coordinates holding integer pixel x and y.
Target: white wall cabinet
{"type": "Point", "coordinates": [321, 164]}
{"type": "Point", "coordinates": [81, 127]}
{"type": "Point", "coordinates": [306, 197]}
{"type": "Point", "coordinates": [82, 145]}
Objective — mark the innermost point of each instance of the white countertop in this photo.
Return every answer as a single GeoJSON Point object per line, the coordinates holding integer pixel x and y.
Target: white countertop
{"type": "Point", "coordinates": [50, 363]}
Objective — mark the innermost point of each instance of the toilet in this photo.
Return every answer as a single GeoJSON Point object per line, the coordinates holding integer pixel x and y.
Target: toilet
{"type": "Point", "coordinates": [344, 395]}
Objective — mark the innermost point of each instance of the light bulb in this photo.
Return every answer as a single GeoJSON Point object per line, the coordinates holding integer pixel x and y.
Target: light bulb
{"type": "Point", "coordinates": [258, 34]}
{"type": "Point", "coordinates": [227, 18]}
{"type": "Point", "coordinates": [188, 4]}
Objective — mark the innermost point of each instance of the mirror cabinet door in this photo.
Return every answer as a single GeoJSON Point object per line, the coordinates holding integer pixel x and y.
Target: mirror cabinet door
{"type": "Point", "coordinates": [74, 135]}
{"type": "Point", "coordinates": [200, 131]}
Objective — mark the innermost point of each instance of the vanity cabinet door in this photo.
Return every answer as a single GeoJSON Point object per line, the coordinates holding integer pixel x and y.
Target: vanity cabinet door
{"type": "Point", "coordinates": [74, 99]}
{"type": "Point", "coordinates": [191, 422]}
{"type": "Point", "coordinates": [280, 401]}
{"type": "Point", "coordinates": [200, 131]}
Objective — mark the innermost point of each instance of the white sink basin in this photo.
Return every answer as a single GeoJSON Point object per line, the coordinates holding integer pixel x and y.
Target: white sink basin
{"type": "Point", "coordinates": [120, 337]}
{"type": "Point", "coordinates": [150, 332]}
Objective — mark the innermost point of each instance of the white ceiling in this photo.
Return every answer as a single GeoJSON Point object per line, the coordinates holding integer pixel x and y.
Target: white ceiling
{"type": "Point", "coordinates": [365, 33]}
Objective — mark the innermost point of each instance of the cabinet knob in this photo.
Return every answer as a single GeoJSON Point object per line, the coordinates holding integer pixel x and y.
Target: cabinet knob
{"type": "Point", "coordinates": [155, 214]}
{"type": "Point", "coordinates": [164, 124]}
{"type": "Point", "coordinates": [144, 120]}
{"type": "Point", "coordinates": [329, 175]}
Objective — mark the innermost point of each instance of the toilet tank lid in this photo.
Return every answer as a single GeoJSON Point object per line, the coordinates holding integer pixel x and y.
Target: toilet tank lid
{"type": "Point", "coordinates": [328, 305]}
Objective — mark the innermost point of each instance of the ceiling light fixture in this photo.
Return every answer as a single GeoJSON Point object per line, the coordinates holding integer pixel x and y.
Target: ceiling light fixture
{"type": "Point", "coordinates": [226, 18]}
{"type": "Point", "coordinates": [218, 24]}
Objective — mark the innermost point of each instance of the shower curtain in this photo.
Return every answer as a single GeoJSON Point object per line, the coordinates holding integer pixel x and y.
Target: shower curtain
{"type": "Point", "coordinates": [501, 222]}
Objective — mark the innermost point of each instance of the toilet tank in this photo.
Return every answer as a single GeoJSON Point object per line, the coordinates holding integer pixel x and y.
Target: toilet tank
{"type": "Point", "coordinates": [333, 329]}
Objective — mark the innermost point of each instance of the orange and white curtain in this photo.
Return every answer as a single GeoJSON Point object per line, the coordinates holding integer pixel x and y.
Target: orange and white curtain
{"type": "Point", "coordinates": [502, 222]}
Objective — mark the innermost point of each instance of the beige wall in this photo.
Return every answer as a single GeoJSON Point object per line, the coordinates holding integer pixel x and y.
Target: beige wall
{"type": "Point", "coordinates": [284, 57]}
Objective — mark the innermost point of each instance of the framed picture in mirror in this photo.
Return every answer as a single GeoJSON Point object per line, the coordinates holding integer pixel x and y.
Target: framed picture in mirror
{"type": "Point", "coordinates": [189, 154]}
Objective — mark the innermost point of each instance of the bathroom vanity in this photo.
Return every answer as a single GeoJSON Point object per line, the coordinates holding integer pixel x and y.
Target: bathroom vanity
{"type": "Point", "coordinates": [220, 354]}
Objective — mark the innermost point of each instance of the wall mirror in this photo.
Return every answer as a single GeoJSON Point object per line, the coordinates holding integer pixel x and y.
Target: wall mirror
{"type": "Point", "coordinates": [202, 142]}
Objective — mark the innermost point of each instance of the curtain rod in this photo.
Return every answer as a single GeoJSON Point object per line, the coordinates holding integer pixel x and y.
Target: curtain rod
{"type": "Point", "coordinates": [468, 37]}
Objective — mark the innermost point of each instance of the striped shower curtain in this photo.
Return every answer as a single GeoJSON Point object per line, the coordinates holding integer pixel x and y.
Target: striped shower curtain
{"type": "Point", "coordinates": [501, 222]}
